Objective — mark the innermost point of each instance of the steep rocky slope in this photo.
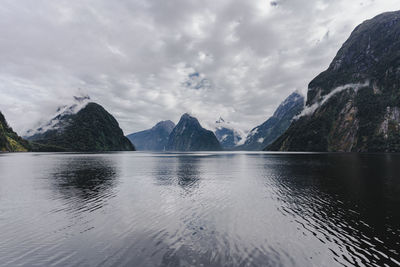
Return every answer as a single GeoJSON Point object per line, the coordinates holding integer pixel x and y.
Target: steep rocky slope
{"type": "Point", "coordinates": [9, 140]}
{"type": "Point", "coordinates": [354, 105]}
{"type": "Point", "coordinates": [188, 135]}
{"type": "Point", "coordinates": [264, 134]}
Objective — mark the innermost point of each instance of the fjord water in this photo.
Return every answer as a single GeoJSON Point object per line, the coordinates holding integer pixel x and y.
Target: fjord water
{"type": "Point", "coordinates": [199, 209]}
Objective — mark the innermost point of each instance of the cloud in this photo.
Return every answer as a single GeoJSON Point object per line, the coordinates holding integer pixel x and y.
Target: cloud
{"type": "Point", "coordinates": [309, 110]}
{"type": "Point", "coordinates": [135, 57]}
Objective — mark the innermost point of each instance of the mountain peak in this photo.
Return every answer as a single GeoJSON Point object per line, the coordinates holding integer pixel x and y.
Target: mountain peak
{"type": "Point", "coordinates": [84, 127]}
{"type": "Point", "coordinates": [186, 116]}
{"type": "Point", "coordinates": [294, 99]}
{"type": "Point", "coordinates": [82, 98]}
{"type": "Point", "coordinates": [189, 119]}
{"type": "Point", "coordinates": [56, 122]}
{"type": "Point", "coordinates": [167, 124]}
{"type": "Point", "coordinates": [220, 121]}
{"type": "Point", "coordinates": [189, 135]}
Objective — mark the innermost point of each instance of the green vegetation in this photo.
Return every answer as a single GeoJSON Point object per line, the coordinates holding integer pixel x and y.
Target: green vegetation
{"type": "Point", "coordinates": [9, 140]}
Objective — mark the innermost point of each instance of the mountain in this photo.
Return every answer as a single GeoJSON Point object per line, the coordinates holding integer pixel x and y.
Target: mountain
{"type": "Point", "coordinates": [9, 140]}
{"type": "Point", "coordinates": [83, 126]}
{"type": "Point", "coordinates": [154, 139]}
{"type": "Point", "coordinates": [188, 135]}
{"type": "Point", "coordinates": [227, 135]}
{"type": "Point", "coordinates": [355, 104]}
{"type": "Point", "coordinates": [264, 134]}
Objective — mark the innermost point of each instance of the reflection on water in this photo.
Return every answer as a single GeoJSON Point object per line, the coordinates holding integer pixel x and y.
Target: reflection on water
{"type": "Point", "coordinates": [85, 182]}
{"type": "Point", "coordinates": [182, 171]}
{"type": "Point", "coordinates": [343, 202]}
{"type": "Point", "coordinates": [199, 209]}
{"type": "Point", "coordinates": [84, 179]}
{"type": "Point", "coordinates": [188, 173]}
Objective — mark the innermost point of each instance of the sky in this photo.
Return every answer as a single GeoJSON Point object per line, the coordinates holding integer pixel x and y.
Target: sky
{"type": "Point", "coordinates": [151, 60]}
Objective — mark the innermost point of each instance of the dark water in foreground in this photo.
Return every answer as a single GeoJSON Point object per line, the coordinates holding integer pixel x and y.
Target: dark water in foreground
{"type": "Point", "coordinates": [204, 209]}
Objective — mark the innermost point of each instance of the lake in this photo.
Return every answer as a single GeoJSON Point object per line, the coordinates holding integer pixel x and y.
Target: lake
{"type": "Point", "coordinates": [199, 209]}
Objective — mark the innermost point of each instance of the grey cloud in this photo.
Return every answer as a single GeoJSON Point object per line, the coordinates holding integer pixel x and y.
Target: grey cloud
{"type": "Point", "coordinates": [134, 56]}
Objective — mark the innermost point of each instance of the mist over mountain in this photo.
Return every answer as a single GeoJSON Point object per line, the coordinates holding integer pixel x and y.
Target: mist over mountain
{"type": "Point", "coordinates": [226, 133]}
{"type": "Point", "coordinates": [355, 104]}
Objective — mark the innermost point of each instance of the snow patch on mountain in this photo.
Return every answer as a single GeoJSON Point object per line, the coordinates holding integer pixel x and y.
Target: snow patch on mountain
{"type": "Point", "coordinates": [228, 132]}
{"type": "Point", "coordinates": [252, 132]}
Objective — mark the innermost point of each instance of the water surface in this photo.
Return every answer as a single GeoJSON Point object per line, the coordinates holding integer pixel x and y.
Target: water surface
{"type": "Point", "coordinates": [199, 209]}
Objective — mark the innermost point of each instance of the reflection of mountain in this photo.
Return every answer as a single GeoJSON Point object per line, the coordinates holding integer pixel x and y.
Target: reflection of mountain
{"type": "Point", "coordinates": [85, 180]}
{"type": "Point", "coordinates": [188, 174]}
{"type": "Point", "coordinates": [182, 171]}
{"type": "Point", "coordinates": [339, 200]}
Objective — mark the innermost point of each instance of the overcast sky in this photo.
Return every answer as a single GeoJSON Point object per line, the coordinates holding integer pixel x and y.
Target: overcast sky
{"type": "Point", "coordinates": [151, 60]}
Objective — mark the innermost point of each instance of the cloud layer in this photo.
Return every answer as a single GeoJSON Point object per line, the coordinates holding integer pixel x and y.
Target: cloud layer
{"type": "Point", "coordinates": [147, 61]}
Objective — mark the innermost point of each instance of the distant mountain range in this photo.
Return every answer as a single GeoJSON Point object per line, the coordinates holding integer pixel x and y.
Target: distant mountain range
{"type": "Point", "coordinates": [154, 139]}
{"type": "Point", "coordinates": [189, 135]}
{"type": "Point", "coordinates": [82, 126]}
{"type": "Point", "coordinates": [355, 104]}
{"type": "Point", "coordinates": [192, 137]}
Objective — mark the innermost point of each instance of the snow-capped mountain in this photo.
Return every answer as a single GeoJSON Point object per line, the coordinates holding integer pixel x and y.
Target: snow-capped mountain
{"type": "Point", "coordinates": [227, 135]}
{"type": "Point", "coordinates": [81, 126]}
{"type": "Point", "coordinates": [60, 119]}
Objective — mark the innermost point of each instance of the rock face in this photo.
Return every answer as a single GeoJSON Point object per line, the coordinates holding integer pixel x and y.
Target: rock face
{"type": "Point", "coordinates": [9, 140]}
{"type": "Point", "coordinates": [264, 134]}
{"type": "Point", "coordinates": [154, 139]}
{"type": "Point", "coordinates": [227, 135]}
{"type": "Point", "coordinates": [91, 128]}
{"type": "Point", "coordinates": [354, 104]}
{"type": "Point", "coordinates": [188, 135]}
